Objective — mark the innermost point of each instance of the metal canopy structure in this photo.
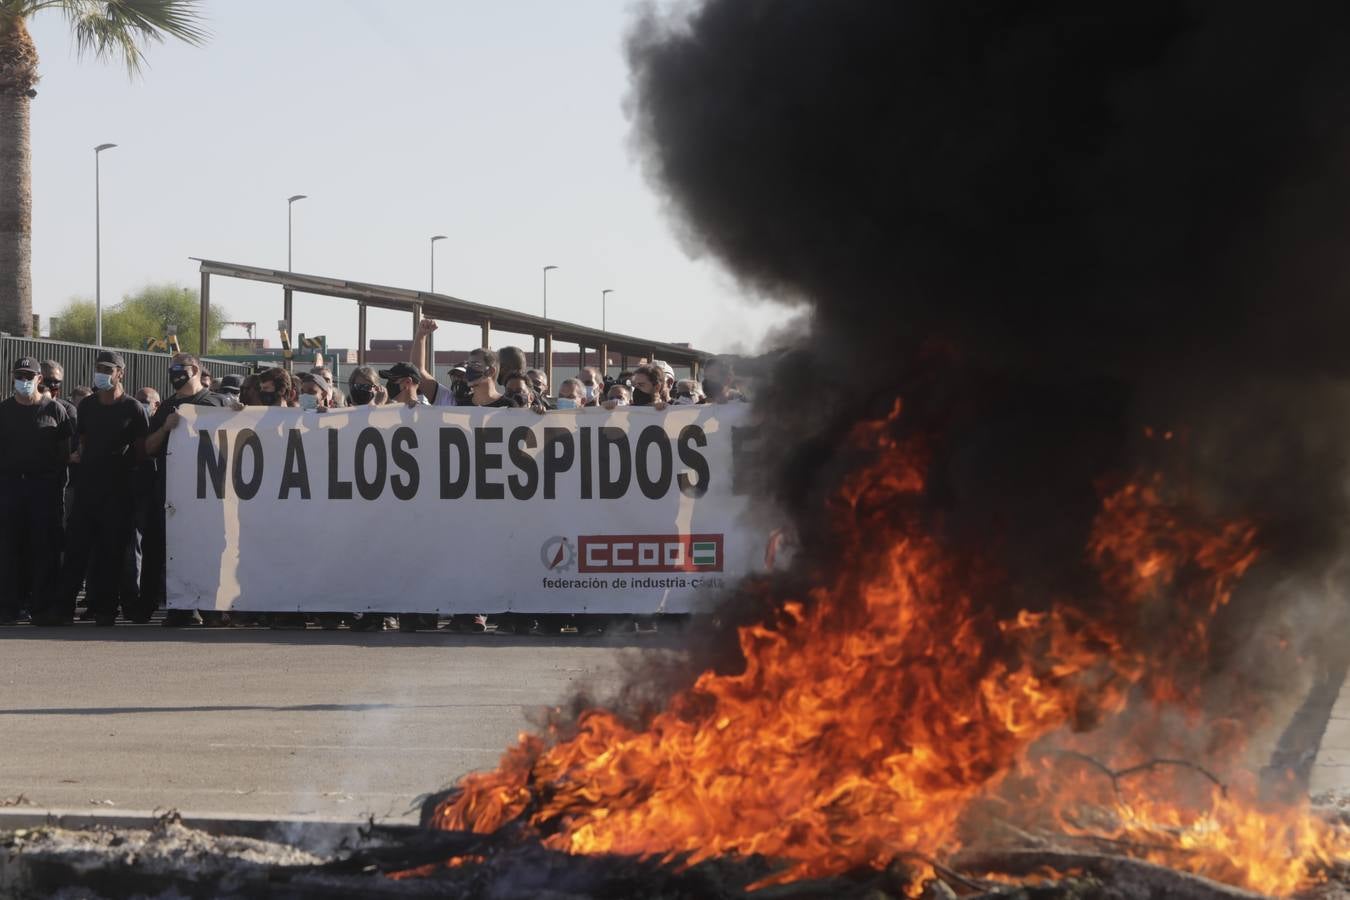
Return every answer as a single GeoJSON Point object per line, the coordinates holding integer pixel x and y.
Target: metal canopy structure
{"type": "Point", "coordinates": [444, 307]}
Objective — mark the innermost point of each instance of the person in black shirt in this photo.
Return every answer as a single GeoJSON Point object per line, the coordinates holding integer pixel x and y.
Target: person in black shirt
{"type": "Point", "coordinates": [185, 372]}
{"type": "Point", "coordinates": [35, 437]}
{"type": "Point", "coordinates": [111, 430]}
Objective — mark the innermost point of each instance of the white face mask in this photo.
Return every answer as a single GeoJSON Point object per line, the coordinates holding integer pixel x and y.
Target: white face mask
{"type": "Point", "coordinates": [588, 391]}
{"type": "Point", "coordinates": [309, 401]}
{"type": "Point", "coordinates": [102, 381]}
{"type": "Point", "coordinates": [618, 401]}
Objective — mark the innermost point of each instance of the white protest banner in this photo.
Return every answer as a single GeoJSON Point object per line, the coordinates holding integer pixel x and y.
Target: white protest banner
{"type": "Point", "coordinates": [455, 510]}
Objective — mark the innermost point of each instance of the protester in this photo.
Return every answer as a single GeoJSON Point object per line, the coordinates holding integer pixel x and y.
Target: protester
{"type": "Point", "coordinates": [435, 393]}
{"type": "Point", "coordinates": [719, 380]}
{"type": "Point", "coordinates": [480, 373]}
{"type": "Point", "coordinates": [148, 398]}
{"type": "Point", "coordinates": [273, 387]}
{"type": "Point", "coordinates": [336, 399]}
{"type": "Point", "coordinates": [591, 386]}
{"type": "Point", "coordinates": [509, 360]}
{"type": "Point", "coordinates": [668, 371]}
{"type": "Point", "coordinates": [35, 436]}
{"type": "Point", "coordinates": [649, 387]}
{"type": "Point", "coordinates": [539, 382]}
{"type": "Point", "coordinates": [459, 386]}
{"type": "Point", "coordinates": [185, 372]}
{"type": "Point", "coordinates": [112, 428]}
{"type": "Point", "coordinates": [315, 392]}
{"type": "Point", "coordinates": [570, 395]}
{"type": "Point", "coordinates": [229, 385]}
{"type": "Point", "coordinates": [364, 388]}
{"type": "Point", "coordinates": [686, 393]}
{"type": "Point", "coordinates": [619, 396]}
{"type": "Point", "coordinates": [52, 384]}
{"type": "Point", "coordinates": [208, 380]}
{"type": "Point", "coordinates": [519, 394]}
{"type": "Point", "coordinates": [404, 383]}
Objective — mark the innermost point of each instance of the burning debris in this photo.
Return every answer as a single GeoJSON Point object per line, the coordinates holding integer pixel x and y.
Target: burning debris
{"type": "Point", "coordinates": [1055, 590]}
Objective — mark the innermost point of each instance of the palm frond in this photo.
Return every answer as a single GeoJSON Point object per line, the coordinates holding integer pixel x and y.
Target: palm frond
{"type": "Point", "coordinates": [124, 28]}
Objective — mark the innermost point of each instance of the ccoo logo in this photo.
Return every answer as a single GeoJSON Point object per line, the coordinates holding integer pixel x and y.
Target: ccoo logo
{"type": "Point", "coordinates": [557, 554]}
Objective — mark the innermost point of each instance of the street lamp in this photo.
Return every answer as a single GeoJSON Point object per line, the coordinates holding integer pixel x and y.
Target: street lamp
{"type": "Point", "coordinates": [547, 269]}
{"type": "Point", "coordinates": [604, 296]}
{"type": "Point", "coordinates": [290, 202]}
{"type": "Point", "coordinates": [98, 251]}
{"type": "Point", "coordinates": [434, 239]}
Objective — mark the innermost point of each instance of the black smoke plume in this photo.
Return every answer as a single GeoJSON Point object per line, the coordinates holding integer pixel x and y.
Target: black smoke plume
{"type": "Point", "coordinates": [1045, 225]}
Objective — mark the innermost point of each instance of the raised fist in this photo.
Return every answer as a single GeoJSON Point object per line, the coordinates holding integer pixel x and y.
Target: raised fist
{"type": "Point", "coordinates": [426, 326]}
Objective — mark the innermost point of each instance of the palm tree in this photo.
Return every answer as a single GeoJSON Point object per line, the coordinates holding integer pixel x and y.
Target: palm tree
{"type": "Point", "coordinates": [107, 29]}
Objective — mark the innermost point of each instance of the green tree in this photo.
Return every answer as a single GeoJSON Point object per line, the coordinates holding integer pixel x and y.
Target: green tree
{"type": "Point", "coordinates": [106, 29]}
{"type": "Point", "coordinates": [148, 313]}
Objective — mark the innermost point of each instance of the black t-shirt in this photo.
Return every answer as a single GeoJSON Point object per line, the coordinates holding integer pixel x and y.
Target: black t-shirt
{"type": "Point", "coordinates": [201, 398]}
{"type": "Point", "coordinates": [34, 440]}
{"type": "Point", "coordinates": [108, 435]}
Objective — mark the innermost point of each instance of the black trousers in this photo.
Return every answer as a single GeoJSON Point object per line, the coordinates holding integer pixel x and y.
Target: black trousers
{"type": "Point", "coordinates": [101, 525]}
{"type": "Point", "coordinates": [154, 554]}
{"type": "Point", "coordinates": [30, 544]}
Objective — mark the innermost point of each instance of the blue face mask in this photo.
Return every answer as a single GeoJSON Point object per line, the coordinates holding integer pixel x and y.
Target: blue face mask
{"type": "Point", "coordinates": [25, 387]}
{"type": "Point", "coordinates": [567, 403]}
{"type": "Point", "coordinates": [102, 381]}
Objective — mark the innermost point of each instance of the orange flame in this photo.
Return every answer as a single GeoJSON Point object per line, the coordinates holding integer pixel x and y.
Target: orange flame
{"type": "Point", "coordinates": [878, 706]}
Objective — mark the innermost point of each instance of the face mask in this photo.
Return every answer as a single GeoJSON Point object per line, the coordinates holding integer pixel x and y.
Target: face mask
{"type": "Point", "coordinates": [463, 395]}
{"type": "Point", "coordinates": [473, 373]}
{"type": "Point", "coordinates": [309, 401]}
{"type": "Point", "coordinates": [619, 401]}
{"type": "Point", "coordinates": [362, 394]}
{"type": "Point", "coordinates": [642, 398]}
{"type": "Point", "coordinates": [567, 403]}
{"type": "Point", "coordinates": [270, 398]}
{"type": "Point", "coordinates": [24, 388]}
{"type": "Point", "coordinates": [588, 391]}
{"type": "Point", "coordinates": [519, 399]}
{"type": "Point", "coordinates": [149, 409]}
{"type": "Point", "coordinates": [684, 400]}
{"type": "Point", "coordinates": [102, 381]}
{"type": "Point", "coordinates": [178, 376]}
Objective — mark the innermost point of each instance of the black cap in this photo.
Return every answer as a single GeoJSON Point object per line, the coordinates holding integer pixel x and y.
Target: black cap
{"type": "Point", "coordinates": [400, 370]}
{"type": "Point", "coordinates": [27, 364]}
{"type": "Point", "coordinates": [230, 384]}
{"type": "Point", "coordinates": [110, 358]}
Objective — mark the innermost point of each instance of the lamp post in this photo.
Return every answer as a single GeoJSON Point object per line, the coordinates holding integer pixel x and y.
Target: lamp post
{"type": "Point", "coordinates": [434, 239]}
{"type": "Point", "coordinates": [547, 269]}
{"type": "Point", "coordinates": [604, 296]}
{"type": "Point", "coordinates": [98, 251]}
{"type": "Point", "coordinates": [290, 203]}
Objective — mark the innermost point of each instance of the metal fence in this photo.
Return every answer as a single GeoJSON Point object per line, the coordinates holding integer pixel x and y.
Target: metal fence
{"type": "Point", "coordinates": [77, 360]}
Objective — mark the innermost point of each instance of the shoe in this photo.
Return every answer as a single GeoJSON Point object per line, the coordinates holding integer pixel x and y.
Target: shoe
{"type": "Point", "coordinates": [105, 621]}
{"type": "Point", "coordinates": [213, 619]}
{"type": "Point", "coordinates": [87, 615]}
{"type": "Point", "coordinates": [330, 621]}
{"type": "Point", "coordinates": [181, 618]}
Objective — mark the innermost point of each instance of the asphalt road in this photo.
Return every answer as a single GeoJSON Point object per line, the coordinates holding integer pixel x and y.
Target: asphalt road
{"type": "Point", "coordinates": [274, 723]}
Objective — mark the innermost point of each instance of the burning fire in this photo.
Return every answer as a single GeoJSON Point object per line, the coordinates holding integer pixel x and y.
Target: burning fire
{"type": "Point", "coordinates": [884, 704]}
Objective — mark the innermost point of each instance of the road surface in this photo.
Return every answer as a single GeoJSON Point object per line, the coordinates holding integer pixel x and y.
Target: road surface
{"type": "Point", "coordinates": [275, 723]}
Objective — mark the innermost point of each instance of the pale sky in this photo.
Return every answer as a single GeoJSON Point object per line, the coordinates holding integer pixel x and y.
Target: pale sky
{"type": "Point", "coordinates": [500, 125]}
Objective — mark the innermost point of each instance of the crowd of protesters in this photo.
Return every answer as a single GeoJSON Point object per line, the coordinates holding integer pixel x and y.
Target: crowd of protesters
{"type": "Point", "coordinates": [82, 470]}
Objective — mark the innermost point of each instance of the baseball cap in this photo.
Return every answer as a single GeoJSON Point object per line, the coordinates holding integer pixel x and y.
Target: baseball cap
{"type": "Point", "coordinates": [400, 370]}
{"type": "Point", "coordinates": [109, 358]}
{"type": "Point", "coordinates": [27, 364]}
{"type": "Point", "coordinates": [230, 384]}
